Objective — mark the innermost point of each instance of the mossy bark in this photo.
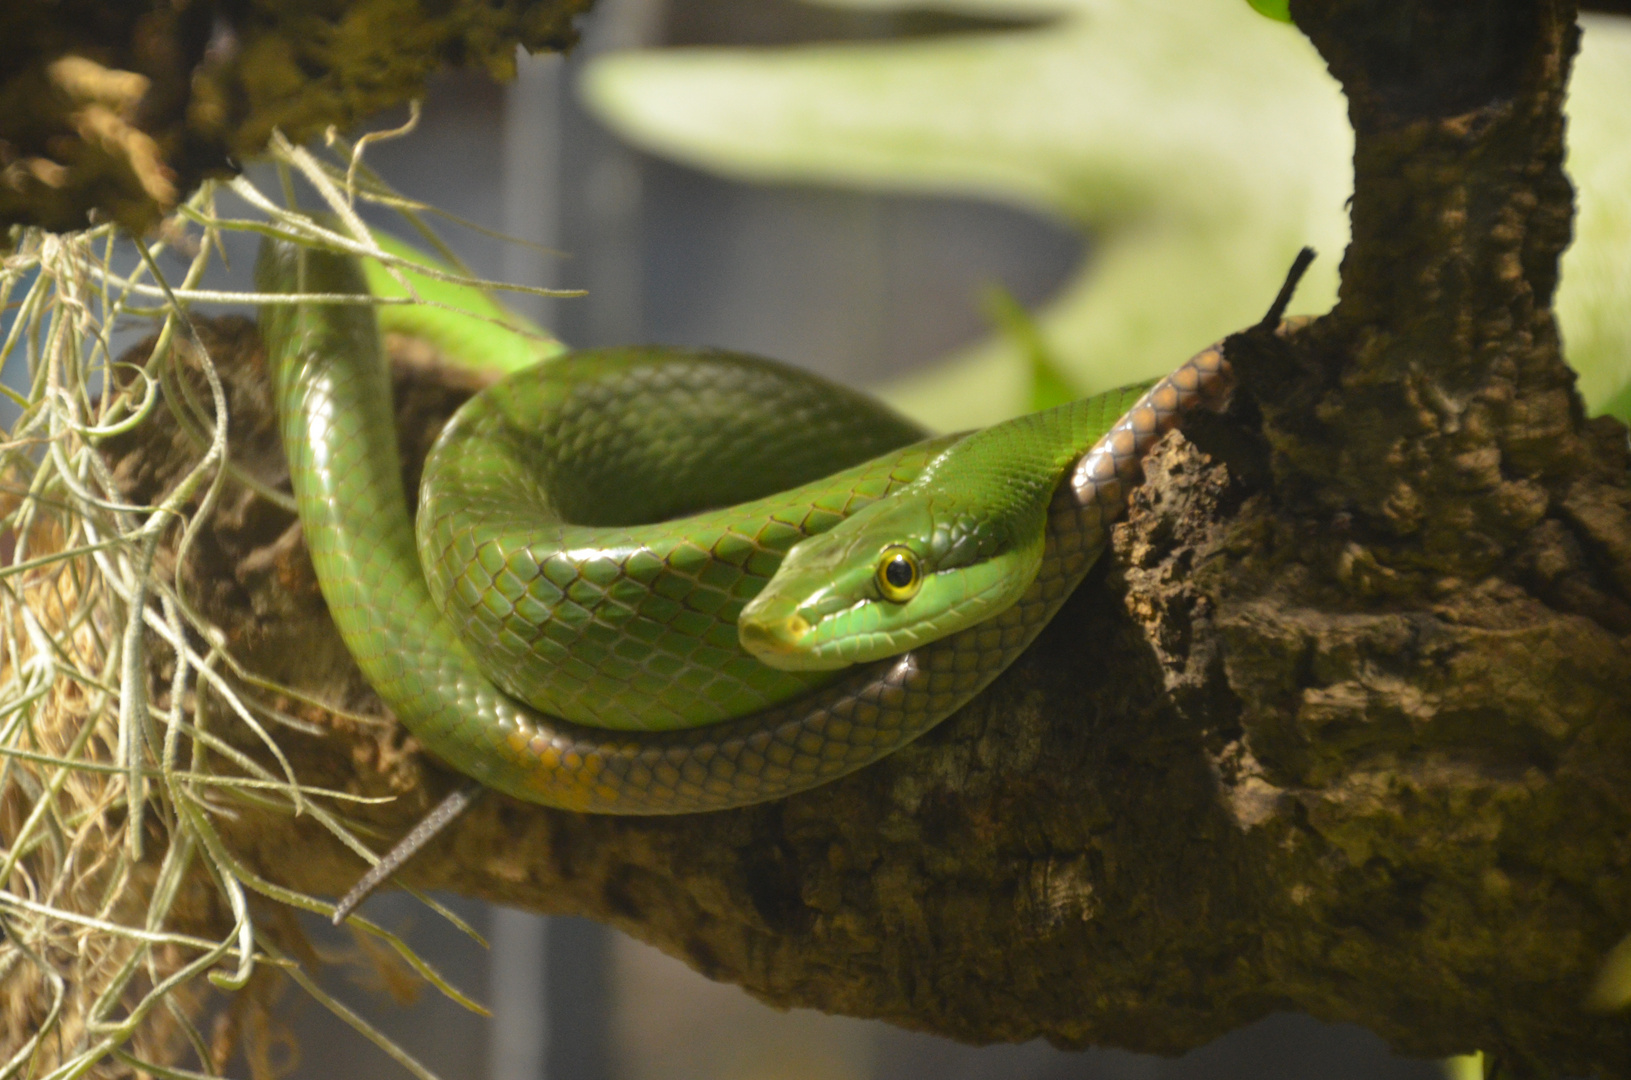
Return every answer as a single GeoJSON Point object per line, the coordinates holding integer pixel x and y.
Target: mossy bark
{"type": "Point", "coordinates": [1341, 724]}
{"type": "Point", "coordinates": [114, 110]}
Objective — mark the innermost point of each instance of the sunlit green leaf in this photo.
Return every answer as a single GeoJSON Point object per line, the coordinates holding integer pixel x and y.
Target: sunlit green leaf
{"type": "Point", "coordinates": [1464, 1067]}
{"type": "Point", "coordinates": [1274, 9]}
{"type": "Point", "coordinates": [1594, 297]}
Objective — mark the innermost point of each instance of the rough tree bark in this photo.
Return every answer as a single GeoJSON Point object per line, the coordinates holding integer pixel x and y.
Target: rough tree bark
{"type": "Point", "coordinates": [1340, 724]}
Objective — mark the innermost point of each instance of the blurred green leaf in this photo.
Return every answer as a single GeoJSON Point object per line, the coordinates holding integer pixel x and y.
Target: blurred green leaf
{"type": "Point", "coordinates": [1198, 144]}
{"type": "Point", "coordinates": [1274, 9]}
{"type": "Point", "coordinates": [1612, 990]}
{"type": "Point", "coordinates": [1594, 295]}
{"type": "Point", "coordinates": [1049, 386]}
{"type": "Point", "coordinates": [1464, 1067]}
{"type": "Point", "coordinates": [470, 327]}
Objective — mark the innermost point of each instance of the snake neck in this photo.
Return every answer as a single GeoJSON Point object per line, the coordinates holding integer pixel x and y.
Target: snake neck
{"type": "Point", "coordinates": [990, 491]}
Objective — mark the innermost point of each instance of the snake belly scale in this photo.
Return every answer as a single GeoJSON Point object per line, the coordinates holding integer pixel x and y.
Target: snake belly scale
{"type": "Point", "coordinates": [647, 602]}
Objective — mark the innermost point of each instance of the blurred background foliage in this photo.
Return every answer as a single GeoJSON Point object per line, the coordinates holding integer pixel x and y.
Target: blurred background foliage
{"type": "Point", "coordinates": [1197, 145]}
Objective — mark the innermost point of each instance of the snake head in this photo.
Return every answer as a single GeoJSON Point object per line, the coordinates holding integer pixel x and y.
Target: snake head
{"type": "Point", "coordinates": [891, 577]}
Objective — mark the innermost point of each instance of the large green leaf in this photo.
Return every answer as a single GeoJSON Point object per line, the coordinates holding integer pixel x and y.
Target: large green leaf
{"type": "Point", "coordinates": [1197, 142]}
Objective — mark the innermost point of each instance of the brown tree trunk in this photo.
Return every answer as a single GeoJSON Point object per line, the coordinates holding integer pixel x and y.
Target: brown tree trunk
{"type": "Point", "coordinates": [1339, 725]}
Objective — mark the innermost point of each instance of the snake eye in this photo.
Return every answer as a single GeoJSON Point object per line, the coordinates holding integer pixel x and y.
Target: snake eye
{"type": "Point", "coordinates": [899, 576]}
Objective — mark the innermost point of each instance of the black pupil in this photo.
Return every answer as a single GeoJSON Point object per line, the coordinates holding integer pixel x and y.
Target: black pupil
{"type": "Point", "coordinates": [899, 572]}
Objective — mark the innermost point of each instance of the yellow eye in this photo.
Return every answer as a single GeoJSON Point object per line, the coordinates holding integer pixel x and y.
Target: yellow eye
{"type": "Point", "coordinates": [899, 576]}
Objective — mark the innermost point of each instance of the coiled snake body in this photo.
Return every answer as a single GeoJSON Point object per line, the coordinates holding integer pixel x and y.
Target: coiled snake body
{"type": "Point", "coordinates": [600, 665]}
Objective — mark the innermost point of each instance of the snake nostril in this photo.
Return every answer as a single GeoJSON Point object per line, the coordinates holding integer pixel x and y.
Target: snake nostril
{"type": "Point", "coordinates": [774, 637]}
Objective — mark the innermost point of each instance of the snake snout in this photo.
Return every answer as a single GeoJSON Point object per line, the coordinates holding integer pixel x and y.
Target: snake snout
{"type": "Point", "coordinates": [776, 641]}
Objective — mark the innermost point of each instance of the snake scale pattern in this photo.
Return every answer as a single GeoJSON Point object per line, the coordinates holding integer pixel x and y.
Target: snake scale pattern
{"type": "Point", "coordinates": [654, 708]}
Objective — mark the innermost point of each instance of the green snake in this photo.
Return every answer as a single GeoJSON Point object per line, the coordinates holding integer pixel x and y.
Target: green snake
{"type": "Point", "coordinates": [651, 581]}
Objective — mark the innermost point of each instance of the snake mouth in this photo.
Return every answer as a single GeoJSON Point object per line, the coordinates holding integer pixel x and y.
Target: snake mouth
{"type": "Point", "coordinates": [775, 641]}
